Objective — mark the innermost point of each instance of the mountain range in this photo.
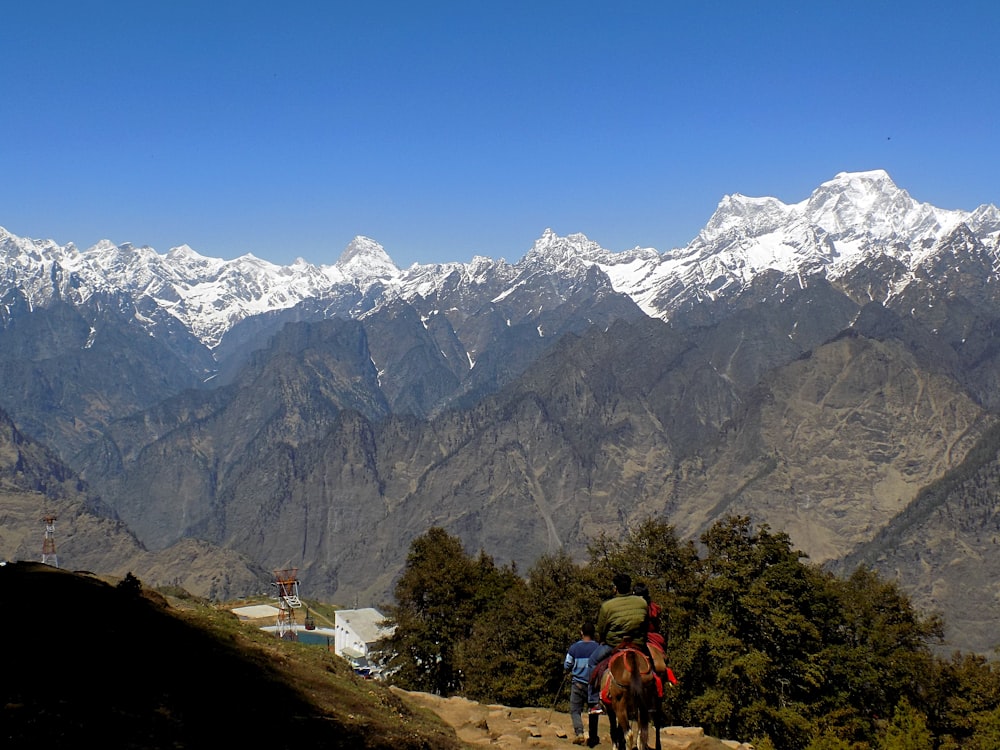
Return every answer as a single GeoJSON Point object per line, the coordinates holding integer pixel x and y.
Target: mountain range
{"type": "Point", "coordinates": [828, 367]}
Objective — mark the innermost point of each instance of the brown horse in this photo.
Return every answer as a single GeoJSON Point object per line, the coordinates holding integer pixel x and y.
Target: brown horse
{"type": "Point", "coordinates": [630, 695]}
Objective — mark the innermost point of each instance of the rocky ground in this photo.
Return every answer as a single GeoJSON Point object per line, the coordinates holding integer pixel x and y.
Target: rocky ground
{"type": "Point", "coordinates": [504, 727]}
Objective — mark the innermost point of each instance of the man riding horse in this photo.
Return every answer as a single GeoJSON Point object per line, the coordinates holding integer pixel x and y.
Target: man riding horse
{"type": "Point", "coordinates": [623, 619]}
{"type": "Point", "coordinates": [622, 623]}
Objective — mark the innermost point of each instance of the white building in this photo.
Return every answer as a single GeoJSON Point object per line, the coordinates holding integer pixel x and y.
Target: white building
{"type": "Point", "coordinates": [355, 631]}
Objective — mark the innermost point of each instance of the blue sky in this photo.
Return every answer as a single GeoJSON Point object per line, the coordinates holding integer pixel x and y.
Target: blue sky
{"type": "Point", "coordinates": [446, 129]}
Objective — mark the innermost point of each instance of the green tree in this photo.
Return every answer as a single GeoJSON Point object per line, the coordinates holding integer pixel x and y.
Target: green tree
{"type": "Point", "coordinates": [966, 703]}
{"type": "Point", "coordinates": [986, 732]}
{"type": "Point", "coordinates": [438, 597]}
{"type": "Point", "coordinates": [907, 730]}
{"type": "Point", "coordinates": [876, 651]}
{"type": "Point", "coordinates": [130, 585]}
{"type": "Point", "coordinates": [747, 662]}
{"type": "Point", "coordinates": [514, 655]}
{"type": "Point", "coordinates": [828, 741]}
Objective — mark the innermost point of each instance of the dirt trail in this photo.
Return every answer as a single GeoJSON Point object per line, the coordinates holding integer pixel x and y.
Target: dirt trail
{"type": "Point", "coordinates": [504, 727]}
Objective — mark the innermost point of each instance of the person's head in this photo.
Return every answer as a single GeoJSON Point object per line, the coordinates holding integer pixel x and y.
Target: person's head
{"type": "Point", "coordinates": [587, 630]}
{"type": "Point", "coordinates": [623, 583]}
{"type": "Point", "coordinates": [641, 589]}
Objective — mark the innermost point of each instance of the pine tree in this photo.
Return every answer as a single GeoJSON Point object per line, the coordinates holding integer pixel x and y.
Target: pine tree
{"type": "Point", "coordinates": [907, 730]}
{"type": "Point", "coordinates": [436, 601]}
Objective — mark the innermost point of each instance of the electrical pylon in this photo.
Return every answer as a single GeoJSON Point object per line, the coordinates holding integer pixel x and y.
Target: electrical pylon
{"type": "Point", "coordinates": [49, 556]}
{"type": "Point", "coordinates": [287, 583]}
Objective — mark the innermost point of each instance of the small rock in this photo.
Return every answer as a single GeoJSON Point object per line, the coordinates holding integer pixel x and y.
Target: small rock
{"type": "Point", "coordinates": [684, 731]}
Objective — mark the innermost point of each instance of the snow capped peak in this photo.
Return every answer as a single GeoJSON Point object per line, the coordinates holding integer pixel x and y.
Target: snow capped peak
{"type": "Point", "coordinates": [852, 204]}
{"type": "Point", "coordinates": [367, 262]}
{"type": "Point", "coordinates": [102, 246]}
{"type": "Point", "coordinates": [846, 219]}
{"type": "Point", "coordinates": [364, 247]}
{"type": "Point", "coordinates": [745, 215]}
{"type": "Point", "coordinates": [871, 203]}
{"type": "Point", "coordinates": [985, 219]}
{"type": "Point", "coordinates": [553, 249]}
{"type": "Point", "coordinates": [547, 244]}
{"type": "Point", "coordinates": [183, 251]}
{"type": "Point", "coordinates": [851, 198]}
{"type": "Point", "coordinates": [877, 177]}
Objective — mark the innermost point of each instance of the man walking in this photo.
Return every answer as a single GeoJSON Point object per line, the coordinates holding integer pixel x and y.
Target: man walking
{"type": "Point", "coordinates": [577, 663]}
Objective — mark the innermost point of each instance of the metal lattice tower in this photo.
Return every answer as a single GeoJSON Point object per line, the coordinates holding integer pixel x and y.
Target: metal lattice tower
{"type": "Point", "coordinates": [287, 583]}
{"type": "Point", "coordinates": [49, 556]}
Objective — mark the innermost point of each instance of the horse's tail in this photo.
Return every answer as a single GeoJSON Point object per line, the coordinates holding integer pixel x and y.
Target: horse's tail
{"type": "Point", "coordinates": [636, 687]}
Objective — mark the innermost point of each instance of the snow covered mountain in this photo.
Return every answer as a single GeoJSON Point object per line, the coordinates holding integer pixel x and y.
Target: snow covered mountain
{"type": "Point", "coordinates": [824, 362]}
{"type": "Point", "coordinates": [846, 221]}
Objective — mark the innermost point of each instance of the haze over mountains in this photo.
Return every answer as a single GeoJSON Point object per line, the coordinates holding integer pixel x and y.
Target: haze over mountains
{"type": "Point", "coordinates": [828, 367]}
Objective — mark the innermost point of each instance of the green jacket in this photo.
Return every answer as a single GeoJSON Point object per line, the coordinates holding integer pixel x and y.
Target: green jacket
{"type": "Point", "coordinates": [623, 616]}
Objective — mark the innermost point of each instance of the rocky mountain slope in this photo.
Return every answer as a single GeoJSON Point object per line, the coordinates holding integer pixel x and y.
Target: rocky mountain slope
{"type": "Point", "coordinates": [88, 535]}
{"type": "Point", "coordinates": [815, 365]}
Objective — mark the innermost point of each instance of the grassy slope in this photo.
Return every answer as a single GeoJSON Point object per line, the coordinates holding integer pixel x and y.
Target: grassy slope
{"type": "Point", "coordinates": [88, 662]}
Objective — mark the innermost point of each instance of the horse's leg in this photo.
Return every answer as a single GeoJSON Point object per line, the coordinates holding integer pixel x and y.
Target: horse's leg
{"type": "Point", "coordinates": [618, 720]}
{"type": "Point", "coordinates": [642, 718]}
{"type": "Point", "coordinates": [617, 736]}
{"type": "Point", "coordinates": [630, 724]}
{"type": "Point", "coordinates": [624, 730]}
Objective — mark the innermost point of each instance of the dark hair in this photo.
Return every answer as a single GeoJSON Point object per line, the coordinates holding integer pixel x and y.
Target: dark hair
{"type": "Point", "coordinates": [587, 629]}
{"type": "Point", "coordinates": [641, 589]}
{"type": "Point", "coordinates": [623, 583]}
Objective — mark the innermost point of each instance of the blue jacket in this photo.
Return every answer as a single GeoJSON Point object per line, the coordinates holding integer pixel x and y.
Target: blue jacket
{"type": "Point", "coordinates": [578, 660]}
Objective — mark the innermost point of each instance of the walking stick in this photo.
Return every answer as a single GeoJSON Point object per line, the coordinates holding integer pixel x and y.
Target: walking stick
{"type": "Point", "coordinates": [558, 692]}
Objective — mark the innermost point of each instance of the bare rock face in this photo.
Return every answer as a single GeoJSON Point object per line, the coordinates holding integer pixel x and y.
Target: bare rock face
{"type": "Point", "coordinates": [837, 445]}
{"type": "Point", "coordinates": [84, 534]}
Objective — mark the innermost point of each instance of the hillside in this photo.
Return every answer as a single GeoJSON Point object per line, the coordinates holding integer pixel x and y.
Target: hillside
{"type": "Point", "coordinates": [104, 665]}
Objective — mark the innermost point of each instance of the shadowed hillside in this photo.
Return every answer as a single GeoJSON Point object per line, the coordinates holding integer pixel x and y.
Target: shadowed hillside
{"type": "Point", "coordinates": [92, 663]}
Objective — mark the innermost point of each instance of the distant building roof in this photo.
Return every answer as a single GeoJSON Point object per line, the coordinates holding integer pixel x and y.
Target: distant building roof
{"type": "Point", "coordinates": [366, 623]}
{"type": "Point", "coordinates": [256, 610]}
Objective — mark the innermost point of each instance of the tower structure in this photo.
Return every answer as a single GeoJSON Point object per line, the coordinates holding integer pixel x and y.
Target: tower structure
{"type": "Point", "coordinates": [49, 556]}
{"type": "Point", "coordinates": [287, 583]}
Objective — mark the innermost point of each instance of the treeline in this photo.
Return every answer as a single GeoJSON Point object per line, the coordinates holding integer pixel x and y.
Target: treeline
{"type": "Point", "coordinates": [767, 646]}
